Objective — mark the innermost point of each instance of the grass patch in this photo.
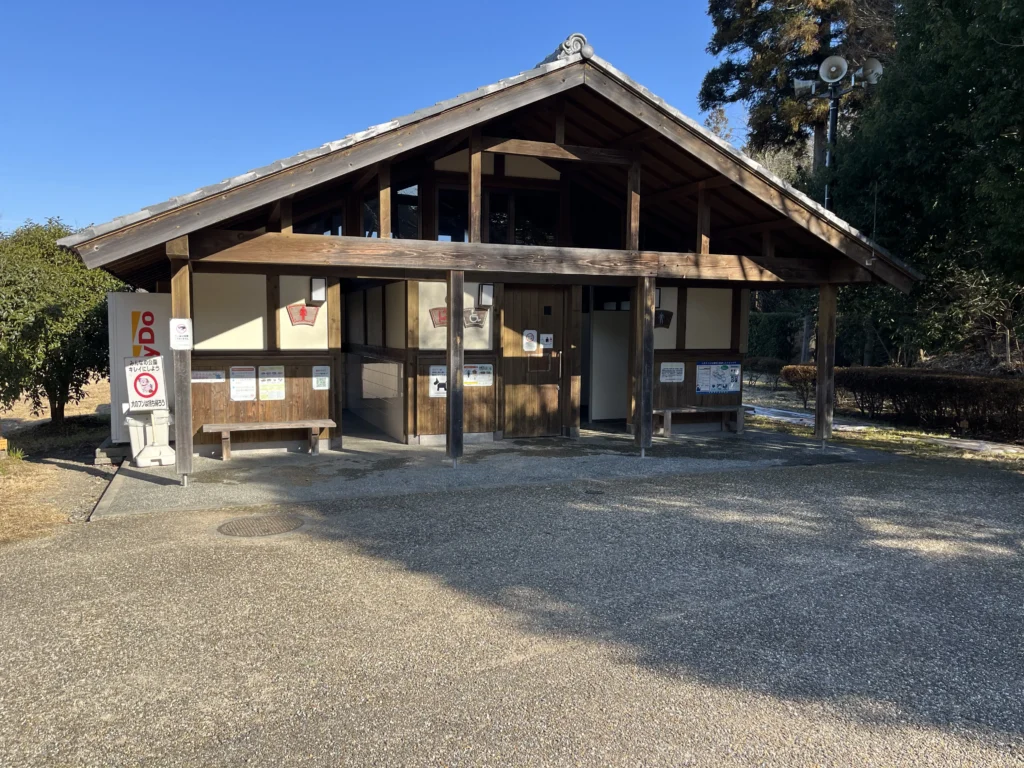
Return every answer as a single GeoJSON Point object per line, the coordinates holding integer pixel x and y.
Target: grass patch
{"type": "Point", "coordinates": [904, 442]}
{"type": "Point", "coordinates": [20, 516]}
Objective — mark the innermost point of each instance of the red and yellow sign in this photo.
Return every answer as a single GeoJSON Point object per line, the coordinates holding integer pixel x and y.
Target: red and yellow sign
{"type": "Point", "coordinates": [143, 335]}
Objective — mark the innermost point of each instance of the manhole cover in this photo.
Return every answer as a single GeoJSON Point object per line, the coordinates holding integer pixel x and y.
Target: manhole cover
{"type": "Point", "coordinates": [264, 525]}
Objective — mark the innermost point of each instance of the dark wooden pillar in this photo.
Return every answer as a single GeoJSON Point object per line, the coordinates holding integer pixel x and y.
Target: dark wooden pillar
{"type": "Point", "coordinates": [384, 199]}
{"type": "Point", "coordinates": [475, 185]}
{"type": "Point", "coordinates": [572, 363]}
{"type": "Point", "coordinates": [456, 284]}
{"type": "Point", "coordinates": [412, 345]}
{"type": "Point", "coordinates": [824, 402]}
{"type": "Point", "coordinates": [181, 307]}
{"type": "Point", "coordinates": [643, 375]}
{"type": "Point", "coordinates": [335, 315]}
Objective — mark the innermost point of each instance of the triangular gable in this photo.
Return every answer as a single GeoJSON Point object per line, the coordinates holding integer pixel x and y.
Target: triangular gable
{"type": "Point", "coordinates": [573, 66]}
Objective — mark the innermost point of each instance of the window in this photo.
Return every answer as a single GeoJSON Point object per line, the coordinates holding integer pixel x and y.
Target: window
{"type": "Point", "coordinates": [405, 213]}
{"type": "Point", "coordinates": [498, 217]}
{"type": "Point", "coordinates": [453, 215]}
{"type": "Point", "coordinates": [536, 218]}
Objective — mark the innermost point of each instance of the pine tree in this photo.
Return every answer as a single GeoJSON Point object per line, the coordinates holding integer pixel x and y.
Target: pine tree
{"type": "Point", "coordinates": [764, 46]}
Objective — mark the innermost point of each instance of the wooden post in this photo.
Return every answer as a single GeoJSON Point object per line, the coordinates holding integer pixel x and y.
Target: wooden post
{"type": "Point", "coordinates": [412, 344]}
{"type": "Point", "coordinates": [559, 120]}
{"type": "Point", "coordinates": [703, 244]}
{"type": "Point", "coordinates": [335, 309]}
{"type": "Point", "coordinates": [384, 199]}
{"type": "Point", "coordinates": [181, 307]}
{"type": "Point", "coordinates": [286, 215]}
{"type": "Point", "coordinates": [475, 185]}
{"type": "Point", "coordinates": [455, 359]}
{"type": "Point", "coordinates": [825, 396]}
{"type": "Point", "coordinates": [643, 374]}
{"type": "Point", "coordinates": [572, 363]}
{"type": "Point", "coordinates": [633, 208]}
{"type": "Point", "coordinates": [273, 307]}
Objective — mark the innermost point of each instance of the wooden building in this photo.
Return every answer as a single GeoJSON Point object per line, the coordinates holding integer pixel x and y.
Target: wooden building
{"type": "Point", "coordinates": [597, 247]}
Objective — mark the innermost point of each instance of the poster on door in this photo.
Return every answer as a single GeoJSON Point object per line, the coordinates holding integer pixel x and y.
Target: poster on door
{"type": "Point", "coordinates": [146, 390]}
{"type": "Point", "coordinates": [478, 375]}
{"type": "Point", "coordinates": [271, 382]}
{"type": "Point", "coordinates": [438, 380]}
{"type": "Point", "coordinates": [243, 383]}
{"type": "Point", "coordinates": [529, 341]}
{"type": "Point", "coordinates": [718, 378]}
{"type": "Point", "coordinates": [547, 341]}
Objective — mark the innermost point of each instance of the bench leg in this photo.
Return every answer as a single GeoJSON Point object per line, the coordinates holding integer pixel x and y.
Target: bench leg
{"type": "Point", "coordinates": [666, 429]}
{"type": "Point", "coordinates": [739, 422]}
{"type": "Point", "coordinates": [314, 441]}
{"type": "Point", "coordinates": [225, 446]}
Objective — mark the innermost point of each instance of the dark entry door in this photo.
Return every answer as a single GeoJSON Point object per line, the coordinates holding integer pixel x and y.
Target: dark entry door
{"type": "Point", "coordinates": [532, 347]}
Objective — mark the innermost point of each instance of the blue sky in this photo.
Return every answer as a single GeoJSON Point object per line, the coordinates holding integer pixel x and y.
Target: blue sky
{"type": "Point", "coordinates": [111, 106]}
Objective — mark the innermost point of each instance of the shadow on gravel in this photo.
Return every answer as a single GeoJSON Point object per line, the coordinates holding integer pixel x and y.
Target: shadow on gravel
{"type": "Point", "coordinates": [892, 593]}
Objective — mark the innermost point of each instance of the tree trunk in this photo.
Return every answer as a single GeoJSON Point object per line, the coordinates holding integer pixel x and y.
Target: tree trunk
{"type": "Point", "coordinates": [57, 411]}
{"type": "Point", "coordinates": [805, 341]}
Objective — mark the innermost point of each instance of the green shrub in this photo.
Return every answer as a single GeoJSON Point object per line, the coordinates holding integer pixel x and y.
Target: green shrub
{"type": "Point", "coordinates": [767, 368]}
{"type": "Point", "coordinates": [802, 378]}
{"type": "Point", "coordinates": [774, 334]}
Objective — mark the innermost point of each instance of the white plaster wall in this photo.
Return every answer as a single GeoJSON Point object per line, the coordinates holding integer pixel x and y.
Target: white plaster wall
{"type": "Point", "coordinates": [665, 338]}
{"type": "Point", "coordinates": [432, 294]}
{"type": "Point", "coordinates": [394, 308]}
{"type": "Point", "coordinates": [529, 167]}
{"type": "Point", "coordinates": [459, 163]}
{"type": "Point", "coordinates": [708, 318]}
{"type": "Point", "coordinates": [609, 362]}
{"type": "Point", "coordinates": [229, 311]}
{"type": "Point", "coordinates": [295, 290]}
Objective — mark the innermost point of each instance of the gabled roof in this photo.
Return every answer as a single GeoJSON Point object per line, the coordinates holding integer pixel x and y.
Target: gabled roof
{"type": "Point", "coordinates": [572, 65]}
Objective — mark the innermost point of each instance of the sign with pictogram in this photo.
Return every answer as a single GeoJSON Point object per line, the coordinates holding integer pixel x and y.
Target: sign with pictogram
{"type": "Point", "coordinates": [146, 390]}
{"type": "Point", "coordinates": [300, 314]}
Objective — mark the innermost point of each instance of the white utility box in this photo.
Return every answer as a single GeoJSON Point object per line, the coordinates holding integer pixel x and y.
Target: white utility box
{"type": "Point", "coordinates": [149, 434]}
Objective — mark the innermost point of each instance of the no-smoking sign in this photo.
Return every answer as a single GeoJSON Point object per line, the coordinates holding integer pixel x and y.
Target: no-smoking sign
{"type": "Point", "coordinates": [145, 383]}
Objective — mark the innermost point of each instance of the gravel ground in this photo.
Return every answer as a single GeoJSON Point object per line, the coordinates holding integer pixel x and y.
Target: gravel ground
{"type": "Point", "coordinates": [370, 467]}
{"type": "Point", "coordinates": [841, 614]}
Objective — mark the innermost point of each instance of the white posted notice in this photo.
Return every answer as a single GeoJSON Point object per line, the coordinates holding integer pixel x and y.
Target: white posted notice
{"type": "Point", "coordinates": [243, 382]}
{"type": "Point", "coordinates": [673, 373]}
{"type": "Point", "coordinates": [439, 381]}
{"type": "Point", "coordinates": [271, 382]}
{"type": "Point", "coordinates": [146, 390]}
{"type": "Point", "coordinates": [321, 377]}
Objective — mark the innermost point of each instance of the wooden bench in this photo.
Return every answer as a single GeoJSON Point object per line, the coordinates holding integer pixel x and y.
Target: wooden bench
{"type": "Point", "coordinates": [313, 425]}
{"type": "Point", "coordinates": [724, 410]}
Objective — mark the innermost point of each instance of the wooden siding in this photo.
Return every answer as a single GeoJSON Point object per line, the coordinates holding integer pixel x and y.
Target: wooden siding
{"type": "Point", "coordinates": [479, 402]}
{"type": "Point", "coordinates": [212, 403]}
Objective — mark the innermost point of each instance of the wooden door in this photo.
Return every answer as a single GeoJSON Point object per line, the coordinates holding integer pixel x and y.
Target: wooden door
{"type": "Point", "coordinates": [532, 375]}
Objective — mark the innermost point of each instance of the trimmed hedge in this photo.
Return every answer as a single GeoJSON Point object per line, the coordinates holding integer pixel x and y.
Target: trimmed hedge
{"type": "Point", "coordinates": [980, 406]}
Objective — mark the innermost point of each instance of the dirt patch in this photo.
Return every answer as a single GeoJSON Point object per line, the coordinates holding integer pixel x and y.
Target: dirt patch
{"type": "Point", "coordinates": [96, 402]}
{"type": "Point", "coordinates": [54, 481]}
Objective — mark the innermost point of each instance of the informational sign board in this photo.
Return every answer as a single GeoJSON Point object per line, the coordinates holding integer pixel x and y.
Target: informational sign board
{"type": "Point", "coordinates": [207, 377]}
{"type": "Point", "coordinates": [321, 377]}
{"type": "Point", "coordinates": [138, 324]}
{"type": "Point", "coordinates": [181, 333]}
{"type": "Point", "coordinates": [145, 377]}
{"type": "Point", "coordinates": [271, 382]}
{"type": "Point", "coordinates": [672, 373]}
{"type": "Point", "coordinates": [478, 375]}
{"type": "Point", "coordinates": [547, 341]}
{"type": "Point", "coordinates": [243, 382]}
{"type": "Point", "coordinates": [529, 341]}
{"type": "Point", "coordinates": [718, 378]}
{"type": "Point", "coordinates": [439, 381]}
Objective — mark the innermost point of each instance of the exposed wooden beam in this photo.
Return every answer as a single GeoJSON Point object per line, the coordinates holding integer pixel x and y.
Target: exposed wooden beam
{"type": "Point", "coordinates": [384, 199]}
{"type": "Point", "coordinates": [276, 251]}
{"type": "Point", "coordinates": [286, 215]}
{"type": "Point", "coordinates": [475, 185]}
{"type": "Point", "coordinates": [633, 207]}
{"type": "Point", "coordinates": [781, 200]}
{"type": "Point", "coordinates": [364, 178]}
{"type": "Point", "coordinates": [554, 151]}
